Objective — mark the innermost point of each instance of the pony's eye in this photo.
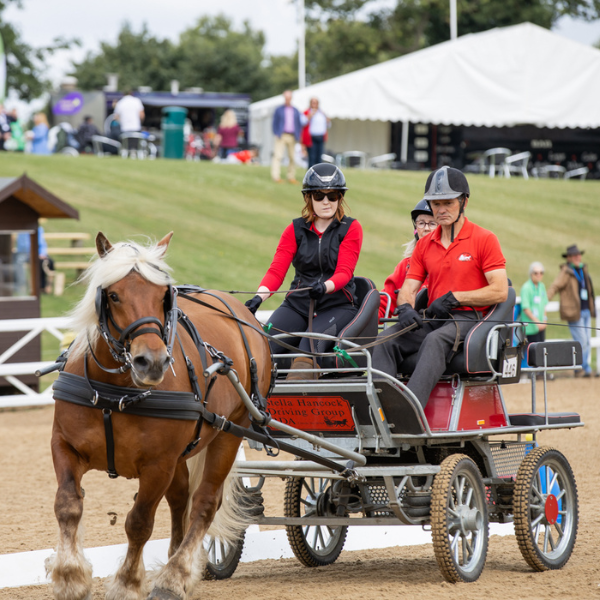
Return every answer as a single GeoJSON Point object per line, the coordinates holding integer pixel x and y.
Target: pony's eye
{"type": "Point", "coordinates": [113, 296]}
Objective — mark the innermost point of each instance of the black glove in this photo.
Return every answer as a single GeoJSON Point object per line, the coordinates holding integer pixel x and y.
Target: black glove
{"type": "Point", "coordinates": [407, 315]}
{"type": "Point", "coordinates": [318, 291]}
{"type": "Point", "coordinates": [440, 308]}
{"type": "Point", "coordinates": [253, 304]}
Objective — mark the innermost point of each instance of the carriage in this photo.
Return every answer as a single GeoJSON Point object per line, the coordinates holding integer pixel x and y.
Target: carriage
{"type": "Point", "coordinates": [368, 454]}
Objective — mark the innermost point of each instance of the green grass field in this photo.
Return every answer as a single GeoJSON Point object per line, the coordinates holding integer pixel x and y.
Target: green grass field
{"type": "Point", "coordinates": [227, 219]}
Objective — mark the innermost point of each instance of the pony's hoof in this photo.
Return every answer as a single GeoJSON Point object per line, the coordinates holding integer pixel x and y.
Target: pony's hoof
{"type": "Point", "coordinates": [158, 594]}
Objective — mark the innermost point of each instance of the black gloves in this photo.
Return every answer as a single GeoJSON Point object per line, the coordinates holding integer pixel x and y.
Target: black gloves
{"type": "Point", "coordinates": [318, 291]}
{"type": "Point", "coordinates": [254, 303]}
{"type": "Point", "coordinates": [440, 308]}
{"type": "Point", "coordinates": [407, 315]}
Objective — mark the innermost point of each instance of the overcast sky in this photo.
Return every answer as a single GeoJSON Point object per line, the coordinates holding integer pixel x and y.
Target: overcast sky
{"type": "Point", "coordinates": [92, 21]}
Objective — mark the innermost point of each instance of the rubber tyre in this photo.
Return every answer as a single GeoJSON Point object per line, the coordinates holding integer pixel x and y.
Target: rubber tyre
{"type": "Point", "coordinates": [313, 546]}
{"type": "Point", "coordinates": [545, 472]}
{"type": "Point", "coordinates": [459, 519]}
{"type": "Point", "coordinates": [222, 558]}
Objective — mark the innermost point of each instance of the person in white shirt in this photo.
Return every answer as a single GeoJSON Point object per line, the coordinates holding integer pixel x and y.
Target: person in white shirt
{"type": "Point", "coordinates": [129, 110]}
{"type": "Point", "coordinates": [318, 123]}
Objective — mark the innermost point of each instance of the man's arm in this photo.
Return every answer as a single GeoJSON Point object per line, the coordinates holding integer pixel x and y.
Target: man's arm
{"type": "Point", "coordinates": [408, 292]}
{"type": "Point", "coordinates": [495, 292]}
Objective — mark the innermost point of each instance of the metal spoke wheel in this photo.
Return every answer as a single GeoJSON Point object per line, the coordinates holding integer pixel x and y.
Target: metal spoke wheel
{"type": "Point", "coordinates": [459, 522]}
{"type": "Point", "coordinates": [313, 545]}
{"type": "Point", "coordinates": [222, 557]}
{"type": "Point", "coordinates": [545, 509]}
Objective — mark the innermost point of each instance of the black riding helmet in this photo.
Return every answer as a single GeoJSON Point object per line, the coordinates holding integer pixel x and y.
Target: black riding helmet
{"type": "Point", "coordinates": [447, 183]}
{"type": "Point", "coordinates": [421, 208]}
{"type": "Point", "coordinates": [324, 176]}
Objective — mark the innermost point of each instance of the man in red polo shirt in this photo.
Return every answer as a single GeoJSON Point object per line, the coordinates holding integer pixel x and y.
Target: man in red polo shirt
{"type": "Point", "coordinates": [467, 275]}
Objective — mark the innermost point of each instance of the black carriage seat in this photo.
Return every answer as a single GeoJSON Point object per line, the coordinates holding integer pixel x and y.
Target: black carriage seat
{"type": "Point", "coordinates": [363, 328]}
{"type": "Point", "coordinates": [471, 357]}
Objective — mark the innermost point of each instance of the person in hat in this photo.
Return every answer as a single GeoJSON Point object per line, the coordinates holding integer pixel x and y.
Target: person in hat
{"type": "Point", "coordinates": [467, 275]}
{"type": "Point", "coordinates": [576, 301]}
{"type": "Point", "coordinates": [323, 245]}
{"type": "Point", "coordinates": [423, 223]}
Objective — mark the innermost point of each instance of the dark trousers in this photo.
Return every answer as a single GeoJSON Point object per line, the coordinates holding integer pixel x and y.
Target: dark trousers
{"type": "Point", "coordinates": [331, 322]}
{"type": "Point", "coordinates": [433, 342]}
{"type": "Point", "coordinates": [316, 150]}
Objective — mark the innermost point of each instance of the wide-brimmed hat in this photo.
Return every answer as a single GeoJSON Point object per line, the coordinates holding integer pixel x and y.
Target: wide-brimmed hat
{"type": "Point", "coordinates": [572, 250]}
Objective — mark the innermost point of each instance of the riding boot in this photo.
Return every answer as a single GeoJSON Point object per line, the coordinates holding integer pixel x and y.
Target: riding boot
{"type": "Point", "coordinates": [301, 362]}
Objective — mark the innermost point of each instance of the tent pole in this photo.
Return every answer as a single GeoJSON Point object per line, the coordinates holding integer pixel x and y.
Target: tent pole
{"type": "Point", "coordinates": [301, 47]}
{"type": "Point", "coordinates": [453, 26]}
{"type": "Point", "coordinates": [404, 142]}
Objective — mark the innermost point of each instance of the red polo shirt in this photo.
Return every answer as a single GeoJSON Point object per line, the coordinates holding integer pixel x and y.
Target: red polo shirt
{"type": "Point", "coordinates": [462, 266]}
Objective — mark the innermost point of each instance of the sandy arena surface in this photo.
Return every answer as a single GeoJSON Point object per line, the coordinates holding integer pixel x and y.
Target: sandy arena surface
{"type": "Point", "coordinates": [28, 487]}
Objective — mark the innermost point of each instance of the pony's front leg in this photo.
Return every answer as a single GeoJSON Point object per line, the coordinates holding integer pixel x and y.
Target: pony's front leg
{"type": "Point", "coordinates": [69, 570]}
{"type": "Point", "coordinates": [129, 581]}
{"type": "Point", "coordinates": [184, 569]}
{"type": "Point", "coordinates": [177, 497]}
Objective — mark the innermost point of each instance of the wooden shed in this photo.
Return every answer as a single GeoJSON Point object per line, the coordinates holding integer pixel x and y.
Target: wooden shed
{"type": "Point", "coordinates": [22, 203]}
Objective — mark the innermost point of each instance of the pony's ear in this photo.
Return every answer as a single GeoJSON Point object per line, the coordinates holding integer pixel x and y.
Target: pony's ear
{"type": "Point", "coordinates": [102, 245]}
{"type": "Point", "coordinates": [164, 243]}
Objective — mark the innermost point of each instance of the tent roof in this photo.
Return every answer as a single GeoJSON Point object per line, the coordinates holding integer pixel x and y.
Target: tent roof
{"type": "Point", "coordinates": [36, 197]}
{"type": "Point", "coordinates": [508, 76]}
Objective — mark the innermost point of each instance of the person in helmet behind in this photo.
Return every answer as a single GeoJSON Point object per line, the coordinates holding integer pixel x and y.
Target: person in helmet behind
{"type": "Point", "coordinates": [467, 275]}
{"type": "Point", "coordinates": [423, 223]}
{"type": "Point", "coordinates": [323, 245]}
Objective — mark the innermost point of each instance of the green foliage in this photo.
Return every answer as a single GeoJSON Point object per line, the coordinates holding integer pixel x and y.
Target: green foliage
{"type": "Point", "coordinates": [25, 65]}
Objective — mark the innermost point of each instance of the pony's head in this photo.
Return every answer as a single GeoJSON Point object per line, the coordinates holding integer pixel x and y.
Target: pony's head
{"type": "Point", "coordinates": [128, 282]}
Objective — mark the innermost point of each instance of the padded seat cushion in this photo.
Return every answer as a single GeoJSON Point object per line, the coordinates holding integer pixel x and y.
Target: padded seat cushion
{"type": "Point", "coordinates": [531, 419]}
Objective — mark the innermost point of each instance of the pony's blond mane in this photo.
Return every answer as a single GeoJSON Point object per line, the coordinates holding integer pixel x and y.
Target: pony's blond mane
{"type": "Point", "coordinates": [123, 258]}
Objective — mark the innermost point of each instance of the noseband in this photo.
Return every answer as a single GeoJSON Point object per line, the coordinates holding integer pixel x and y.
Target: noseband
{"type": "Point", "coordinates": [120, 348]}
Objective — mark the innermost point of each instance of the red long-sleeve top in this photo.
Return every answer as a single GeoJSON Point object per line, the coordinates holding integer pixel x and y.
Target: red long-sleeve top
{"type": "Point", "coordinates": [287, 248]}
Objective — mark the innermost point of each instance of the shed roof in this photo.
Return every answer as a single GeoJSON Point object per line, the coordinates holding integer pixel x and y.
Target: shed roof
{"type": "Point", "coordinates": [36, 197]}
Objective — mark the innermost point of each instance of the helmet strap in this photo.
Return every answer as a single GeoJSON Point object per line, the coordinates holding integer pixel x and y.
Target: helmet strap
{"type": "Point", "coordinates": [460, 214]}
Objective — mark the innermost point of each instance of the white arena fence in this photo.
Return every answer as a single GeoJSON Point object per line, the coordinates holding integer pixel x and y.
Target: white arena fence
{"type": "Point", "coordinates": [57, 326]}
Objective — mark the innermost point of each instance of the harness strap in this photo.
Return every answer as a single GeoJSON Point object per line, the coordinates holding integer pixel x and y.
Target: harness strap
{"type": "Point", "coordinates": [110, 443]}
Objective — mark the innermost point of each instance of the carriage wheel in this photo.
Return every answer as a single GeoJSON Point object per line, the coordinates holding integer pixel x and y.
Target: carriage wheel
{"type": "Point", "coordinates": [313, 545]}
{"type": "Point", "coordinates": [222, 557]}
{"type": "Point", "coordinates": [545, 509]}
{"type": "Point", "coordinates": [459, 522]}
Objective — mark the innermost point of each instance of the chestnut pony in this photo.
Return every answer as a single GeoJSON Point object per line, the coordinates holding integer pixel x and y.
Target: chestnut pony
{"type": "Point", "coordinates": [131, 283]}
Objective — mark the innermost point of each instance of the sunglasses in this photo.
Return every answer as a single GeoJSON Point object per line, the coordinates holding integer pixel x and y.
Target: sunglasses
{"type": "Point", "coordinates": [333, 196]}
{"type": "Point", "coordinates": [537, 272]}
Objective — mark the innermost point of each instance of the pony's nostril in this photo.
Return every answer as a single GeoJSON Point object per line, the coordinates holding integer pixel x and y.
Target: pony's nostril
{"type": "Point", "coordinates": [140, 363]}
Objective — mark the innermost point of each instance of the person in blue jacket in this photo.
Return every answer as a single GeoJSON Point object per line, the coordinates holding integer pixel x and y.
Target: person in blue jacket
{"type": "Point", "coordinates": [287, 128]}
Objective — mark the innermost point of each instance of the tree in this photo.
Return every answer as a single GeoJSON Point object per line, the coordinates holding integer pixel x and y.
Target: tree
{"type": "Point", "coordinates": [24, 64]}
{"type": "Point", "coordinates": [345, 35]}
{"type": "Point", "coordinates": [137, 58]}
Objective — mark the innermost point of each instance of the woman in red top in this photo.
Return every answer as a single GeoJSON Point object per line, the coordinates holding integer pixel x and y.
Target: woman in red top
{"type": "Point", "coordinates": [424, 223]}
{"type": "Point", "coordinates": [324, 246]}
{"type": "Point", "coordinates": [227, 133]}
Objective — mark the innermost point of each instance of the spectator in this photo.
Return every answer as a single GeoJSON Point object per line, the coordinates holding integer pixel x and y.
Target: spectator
{"type": "Point", "coordinates": [423, 223]}
{"type": "Point", "coordinates": [39, 134]}
{"type": "Point", "coordinates": [533, 304]}
{"type": "Point", "coordinates": [577, 306]}
{"type": "Point", "coordinates": [130, 113]}
{"type": "Point", "coordinates": [228, 132]}
{"type": "Point", "coordinates": [22, 256]}
{"type": "Point", "coordinates": [85, 132]}
{"type": "Point", "coordinates": [17, 140]}
{"type": "Point", "coordinates": [4, 127]}
{"type": "Point", "coordinates": [287, 128]}
{"type": "Point", "coordinates": [318, 123]}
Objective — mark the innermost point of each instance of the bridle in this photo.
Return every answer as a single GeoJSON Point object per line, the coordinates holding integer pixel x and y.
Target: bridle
{"type": "Point", "coordinates": [120, 348]}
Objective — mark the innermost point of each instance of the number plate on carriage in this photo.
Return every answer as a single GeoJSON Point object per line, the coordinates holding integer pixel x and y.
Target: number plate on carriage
{"type": "Point", "coordinates": [312, 413]}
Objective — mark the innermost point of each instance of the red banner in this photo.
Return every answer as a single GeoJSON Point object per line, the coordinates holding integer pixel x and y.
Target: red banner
{"type": "Point", "coordinates": [312, 413]}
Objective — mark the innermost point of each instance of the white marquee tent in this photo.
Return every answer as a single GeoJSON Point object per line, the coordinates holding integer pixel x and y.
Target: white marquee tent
{"type": "Point", "coordinates": [523, 74]}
